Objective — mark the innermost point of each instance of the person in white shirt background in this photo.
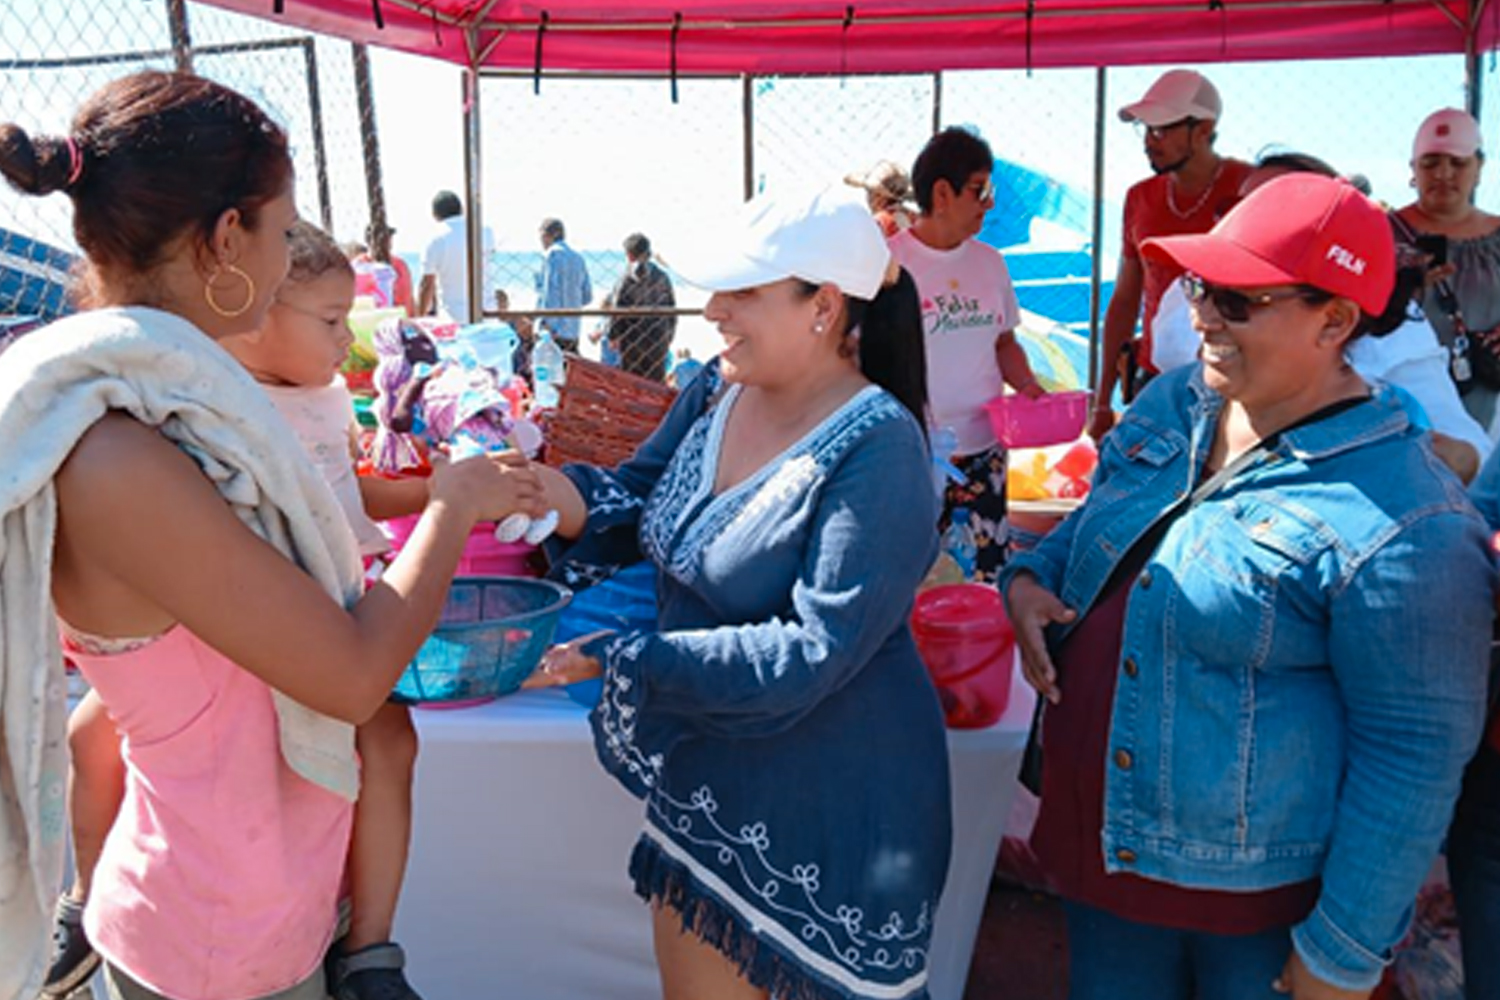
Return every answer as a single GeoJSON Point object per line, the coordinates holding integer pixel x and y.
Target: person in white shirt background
{"type": "Point", "coordinates": [444, 287]}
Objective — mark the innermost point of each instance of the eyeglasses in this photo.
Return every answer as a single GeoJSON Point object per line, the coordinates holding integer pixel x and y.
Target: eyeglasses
{"type": "Point", "coordinates": [1235, 306]}
{"type": "Point", "coordinates": [983, 190]}
{"type": "Point", "coordinates": [1159, 131]}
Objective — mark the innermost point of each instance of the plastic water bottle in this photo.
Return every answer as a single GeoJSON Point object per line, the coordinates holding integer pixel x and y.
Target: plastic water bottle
{"type": "Point", "coordinates": [944, 442]}
{"type": "Point", "coordinates": [547, 372]}
{"type": "Point", "coordinates": [491, 345]}
{"type": "Point", "coordinates": [958, 542]}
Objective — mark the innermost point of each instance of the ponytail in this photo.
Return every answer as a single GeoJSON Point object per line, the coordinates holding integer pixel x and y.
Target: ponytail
{"type": "Point", "coordinates": [1409, 281]}
{"type": "Point", "coordinates": [892, 351]}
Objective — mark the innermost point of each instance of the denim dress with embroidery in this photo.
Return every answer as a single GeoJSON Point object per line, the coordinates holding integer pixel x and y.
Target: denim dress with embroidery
{"type": "Point", "coordinates": [780, 725]}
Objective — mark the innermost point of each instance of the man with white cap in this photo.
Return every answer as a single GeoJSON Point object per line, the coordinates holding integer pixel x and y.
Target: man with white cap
{"type": "Point", "coordinates": [1191, 189]}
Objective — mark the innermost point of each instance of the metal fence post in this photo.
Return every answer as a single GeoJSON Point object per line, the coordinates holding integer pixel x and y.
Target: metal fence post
{"type": "Point", "coordinates": [182, 41]}
{"type": "Point", "coordinates": [1095, 276]}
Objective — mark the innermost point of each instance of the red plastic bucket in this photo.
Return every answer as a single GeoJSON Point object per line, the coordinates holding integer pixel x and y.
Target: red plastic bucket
{"type": "Point", "coordinates": [483, 554]}
{"type": "Point", "coordinates": [968, 645]}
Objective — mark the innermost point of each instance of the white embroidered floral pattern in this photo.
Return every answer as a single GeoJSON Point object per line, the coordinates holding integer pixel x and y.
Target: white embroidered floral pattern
{"type": "Point", "coordinates": [792, 895]}
{"type": "Point", "coordinates": [616, 715]}
{"type": "Point", "coordinates": [682, 518]}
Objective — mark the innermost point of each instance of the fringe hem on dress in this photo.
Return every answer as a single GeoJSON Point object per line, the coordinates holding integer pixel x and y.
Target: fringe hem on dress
{"type": "Point", "coordinates": [762, 961]}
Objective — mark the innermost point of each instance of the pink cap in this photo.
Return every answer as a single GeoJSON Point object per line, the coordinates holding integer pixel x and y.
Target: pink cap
{"type": "Point", "coordinates": [1297, 229]}
{"type": "Point", "coordinates": [1176, 94]}
{"type": "Point", "coordinates": [1450, 131]}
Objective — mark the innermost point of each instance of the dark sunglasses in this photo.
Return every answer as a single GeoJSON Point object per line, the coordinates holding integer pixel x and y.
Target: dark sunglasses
{"type": "Point", "coordinates": [1235, 306]}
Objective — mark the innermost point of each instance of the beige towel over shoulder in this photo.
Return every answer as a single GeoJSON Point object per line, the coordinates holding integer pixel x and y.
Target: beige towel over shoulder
{"type": "Point", "coordinates": [54, 385]}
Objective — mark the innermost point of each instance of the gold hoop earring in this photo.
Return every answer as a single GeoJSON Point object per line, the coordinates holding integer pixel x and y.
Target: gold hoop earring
{"type": "Point", "coordinates": [208, 291]}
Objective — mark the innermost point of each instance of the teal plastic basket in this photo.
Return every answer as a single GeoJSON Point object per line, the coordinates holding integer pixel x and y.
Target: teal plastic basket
{"type": "Point", "coordinates": [492, 634]}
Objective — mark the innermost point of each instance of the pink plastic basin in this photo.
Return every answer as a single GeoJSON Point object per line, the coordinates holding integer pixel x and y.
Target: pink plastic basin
{"type": "Point", "coordinates": [483, 555]}
{"type": "Point", "coordinates": [1056, 418]}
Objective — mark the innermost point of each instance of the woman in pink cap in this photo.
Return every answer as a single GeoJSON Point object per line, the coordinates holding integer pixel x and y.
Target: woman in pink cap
{"type": "Point", "coordinates": [1461, 244]}
{"type": "Point", "coordinates": [1259, 697]}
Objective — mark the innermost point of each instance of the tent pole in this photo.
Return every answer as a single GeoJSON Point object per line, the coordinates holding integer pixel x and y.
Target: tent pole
{"type": "Point", "coordinates": [747, 129]}
{"type": "Point", "coordinates": [315, 114]}
{"type": "Point", "coordinates": [182, 41]}
{"type": "Point", "coordinates": [364, 92]}
{"type": "Point", "coordinates": [937, 102]}
{"type": "Point", "coordinates": [1095, 258]}
{"type": "Point", "coordinates": [472, 143]}
{"type": "Point", "coordinates": [1473, 71]}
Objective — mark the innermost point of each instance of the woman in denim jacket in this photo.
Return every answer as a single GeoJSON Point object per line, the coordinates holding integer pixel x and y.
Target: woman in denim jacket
{"type": "Point", "coordinates": [1262, 639]}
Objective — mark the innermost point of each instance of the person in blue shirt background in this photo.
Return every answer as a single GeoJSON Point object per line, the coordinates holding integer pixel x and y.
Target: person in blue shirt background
{"type": "Point", "coordinates": [562, 283]}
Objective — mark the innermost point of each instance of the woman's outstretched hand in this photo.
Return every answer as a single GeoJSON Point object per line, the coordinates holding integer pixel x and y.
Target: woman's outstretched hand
{"type": "Point", "coordinates": [567, 663]}
{"type": "Point", "coordinates": [1032, 608]}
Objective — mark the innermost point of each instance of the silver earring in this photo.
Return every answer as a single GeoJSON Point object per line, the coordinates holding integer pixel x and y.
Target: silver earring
{"type": "Point", "coordinates": [818, 328]}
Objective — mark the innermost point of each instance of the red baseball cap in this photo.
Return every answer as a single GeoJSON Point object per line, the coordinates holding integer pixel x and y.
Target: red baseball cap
{"type": "Point", "coordinates": [1297, 229]}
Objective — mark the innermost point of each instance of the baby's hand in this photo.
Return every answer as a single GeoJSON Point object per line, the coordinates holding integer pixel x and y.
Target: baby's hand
{"type": "Point", "coordinates": [492, 486]}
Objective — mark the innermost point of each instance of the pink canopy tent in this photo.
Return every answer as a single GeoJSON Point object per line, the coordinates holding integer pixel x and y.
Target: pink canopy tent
{"type": "Point", "coordinates": [887, 36]}
{"type": "Point", "coordinates": [772, 37]}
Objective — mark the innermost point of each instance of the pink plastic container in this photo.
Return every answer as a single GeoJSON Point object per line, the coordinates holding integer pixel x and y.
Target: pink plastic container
{"type": "Point", "coordinates": [1056, 418]}
{"type": "Point", "coordinates": [968, 645]}
{"type": "Point", "coordinates": [483, 555]}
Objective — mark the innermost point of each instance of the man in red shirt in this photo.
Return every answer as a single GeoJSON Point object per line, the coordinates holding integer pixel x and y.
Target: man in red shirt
{"type": "Point", "coordinates": [1191, 189]}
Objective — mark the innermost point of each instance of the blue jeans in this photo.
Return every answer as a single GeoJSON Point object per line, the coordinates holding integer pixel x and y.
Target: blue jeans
{"type": "Point", "coordinates": [1111, 958]}
{"type": "Point", "coordinates": [1474, 871]}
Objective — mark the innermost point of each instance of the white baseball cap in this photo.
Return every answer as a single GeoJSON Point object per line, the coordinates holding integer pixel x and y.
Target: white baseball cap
{"type": "Point", "coordinates": [1176, 94]}
{"type": "Point", "coordinates": [1449, 131]}
{"type": "Point", "coordinates": [829, 237]}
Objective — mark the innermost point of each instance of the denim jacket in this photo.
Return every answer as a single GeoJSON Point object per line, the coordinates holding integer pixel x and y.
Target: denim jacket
{"type": "Point", "coordinates": [1302, 669]}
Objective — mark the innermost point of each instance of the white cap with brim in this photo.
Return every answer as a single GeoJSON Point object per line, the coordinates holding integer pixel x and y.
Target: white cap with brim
{"type": "Point", "coordinates": [827, 237]}
{"type": "Point", "coordinates": [1449, 132]}
{"type": "Point", "coordinates": [1176, 94]}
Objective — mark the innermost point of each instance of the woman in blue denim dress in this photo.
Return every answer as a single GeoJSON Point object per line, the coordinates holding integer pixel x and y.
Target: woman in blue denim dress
{"type": "Point", "coordinates": [1262, 639]}
{"type": "Point", "coordinates": [779, 724]}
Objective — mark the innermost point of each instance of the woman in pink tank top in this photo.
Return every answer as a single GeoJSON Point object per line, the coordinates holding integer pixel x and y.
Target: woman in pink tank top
{"type": "Point", "coordinates": [207, 582]}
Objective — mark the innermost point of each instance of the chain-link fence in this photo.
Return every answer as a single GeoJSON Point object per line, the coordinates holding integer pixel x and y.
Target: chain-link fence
{"type": "Point", "coordinates": [616, 156]}
{"type": "Point", "coordinates": [610, 157]}
{"type": "Point", "coordinates": [59, 53]}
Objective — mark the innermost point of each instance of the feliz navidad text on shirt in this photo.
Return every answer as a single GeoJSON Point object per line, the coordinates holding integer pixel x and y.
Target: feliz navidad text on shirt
{"type": "Point", "coordinates": [953, 313]}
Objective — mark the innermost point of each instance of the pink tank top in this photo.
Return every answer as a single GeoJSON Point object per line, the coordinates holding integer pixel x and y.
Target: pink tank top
{"type": "Point", "coordinates": [220, 878]}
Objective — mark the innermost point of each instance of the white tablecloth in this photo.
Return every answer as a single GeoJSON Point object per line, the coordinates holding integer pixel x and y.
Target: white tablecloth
{"type": "Point", "coordinates": [517, 883]}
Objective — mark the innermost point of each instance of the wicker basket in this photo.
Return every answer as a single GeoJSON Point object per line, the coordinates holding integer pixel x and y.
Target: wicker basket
{"type": "Point", "coordinates": [603, 414]}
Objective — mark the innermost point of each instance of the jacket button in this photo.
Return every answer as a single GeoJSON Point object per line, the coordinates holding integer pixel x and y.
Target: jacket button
{"type": "Point", "coordinates": [1125, 855]}
{"type": "Point", "coordinates": [1130, 667]}
{"type": "Point", "coordinates": [1146, 580]}
{"type": "Point", "coordinates": [1123, 760]}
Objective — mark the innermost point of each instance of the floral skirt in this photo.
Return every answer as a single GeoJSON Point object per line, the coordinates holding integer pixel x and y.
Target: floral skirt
{"type": "Point", "coordinates": [983, 494]}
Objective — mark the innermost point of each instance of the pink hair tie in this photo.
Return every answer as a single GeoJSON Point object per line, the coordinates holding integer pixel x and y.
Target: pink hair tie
{"type": "Point", "coordinates": [75, 162]}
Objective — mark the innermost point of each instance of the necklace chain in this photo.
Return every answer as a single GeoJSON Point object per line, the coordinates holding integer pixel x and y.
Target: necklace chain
{"type": "Point", "coordinates": [1202, 198]}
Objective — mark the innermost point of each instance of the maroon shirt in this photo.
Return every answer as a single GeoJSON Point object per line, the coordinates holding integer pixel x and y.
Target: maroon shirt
{"type": "Point", "coordinates": [1066, 840]}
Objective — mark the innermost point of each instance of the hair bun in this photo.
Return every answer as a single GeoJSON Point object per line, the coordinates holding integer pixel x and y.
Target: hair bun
{"type": "Point", "coordinates": [35, 166]}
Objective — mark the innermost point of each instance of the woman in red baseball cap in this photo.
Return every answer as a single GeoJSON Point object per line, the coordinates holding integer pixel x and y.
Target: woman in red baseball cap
{"type": "Point", "coordinates": [1259, 696]}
